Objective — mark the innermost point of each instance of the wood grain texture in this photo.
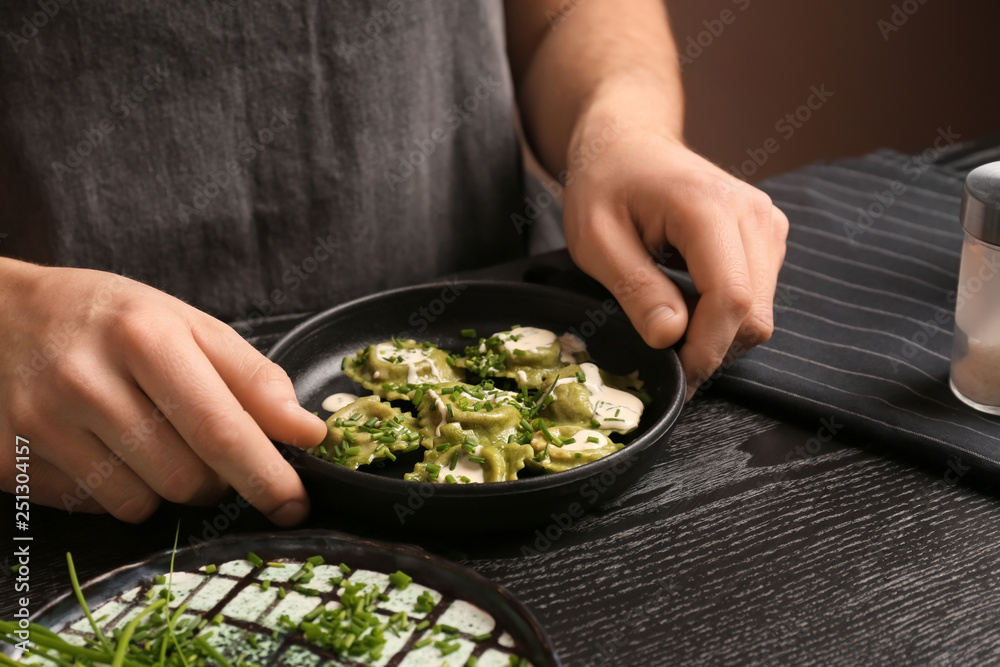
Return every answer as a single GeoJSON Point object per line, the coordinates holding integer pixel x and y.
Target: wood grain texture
{"type": "Point", "coordinates": [716, 556]}
{"type": "Point", "coordinates": [746, 542]}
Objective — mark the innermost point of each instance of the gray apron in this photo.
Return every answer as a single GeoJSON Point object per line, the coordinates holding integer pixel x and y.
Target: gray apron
{"type": "Point", "coordinates": [258, 157]}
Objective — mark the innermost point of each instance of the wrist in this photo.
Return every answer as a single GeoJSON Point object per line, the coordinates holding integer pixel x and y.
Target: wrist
{"type": "Point", "coordinates": [637, 102]}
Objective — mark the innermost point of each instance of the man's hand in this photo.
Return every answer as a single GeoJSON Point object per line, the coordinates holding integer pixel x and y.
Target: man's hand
{"type": "Point", "coordinates": [583, 69]}
{"type": "Point", "coordinates": [129, 396]}
{"type": "Point", "coordinates": [646, 190]}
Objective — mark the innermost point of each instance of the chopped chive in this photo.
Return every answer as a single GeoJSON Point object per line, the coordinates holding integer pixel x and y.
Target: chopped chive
{"type": "Point", "coordinates": [255, 560]}
{"type": "Point", "coordinates": [580, 377]}
{"type": "Point", "coordinates": [159, 580]}
{"type": "Point", "coordinates": [591, 438]}
{"type": "Point", "coordinates": [481, 638]}
{"type": "Point", "coordinates": [422, 625]}
{"type": "Point", "coordinates": [210, 569]}
{"type": "Point", "coordinates": [400, 580]}
{"type": "Point", "coordinates": [446, 648]}
{"type": "Point", "coordinates": [343, 568]}
{"type": "Point", "coordinates": [595, 424]}
{"type": "Point", "coordinates": [423, 642]}
{"type": "Point", "coordinates": [450, 479]}
{"type": "Point", "coordinates": [425, 603]}
{"type": "Point", "coordinates": [468, 333]}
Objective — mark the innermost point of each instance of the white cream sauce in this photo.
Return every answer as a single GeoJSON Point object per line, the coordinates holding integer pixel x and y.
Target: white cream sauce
{"type": "Point", "coordinates": [411, 358]}
{"type": "Point", "coordinates": [571, 344]}
{"type": "Point", "coordinates": [441, 408]}
{"type": "Point", "coordinates": [528, 339]}
{"type": "Point", "coordinates": [522, 377]}
{"type": "Point", "coordinates": [582, 445]}
{"type": "Point", "coordinates": [616, 410]}
{"type": "Point", "coordinates": [474, 471]}
{"type": "Point", "coordinates": [335, 402]}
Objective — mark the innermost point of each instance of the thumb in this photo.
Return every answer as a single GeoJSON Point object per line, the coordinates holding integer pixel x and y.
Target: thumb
{"type": "Point", "coordinates": [260, 385]}
{"type": "Point", "coordinates": [613, 254]}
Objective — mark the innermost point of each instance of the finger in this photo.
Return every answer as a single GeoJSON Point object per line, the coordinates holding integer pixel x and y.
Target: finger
{"type": "Point", "coordinates": [261, 386]}
{"type": "Point", "coordinates": [54, 488]}
{"type": "Point", "coordinates": [718, 266]}
{"type": "Point", "coordinates": [177, 376]}
{"type": "Point", "coordinates": [98, 472]}
{"type": "Point", "coordinates": [137, 431]}
{"type": "Point", "coordinates": [763, 233]}
{"type": "Point", "coordinates": [612, 253]}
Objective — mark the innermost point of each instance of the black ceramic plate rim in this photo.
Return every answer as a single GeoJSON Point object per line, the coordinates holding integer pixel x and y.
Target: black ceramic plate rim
{"type": "Point", "coordinates": [300, 537]}
{"type": "Point", "coordinates": [651, 437]}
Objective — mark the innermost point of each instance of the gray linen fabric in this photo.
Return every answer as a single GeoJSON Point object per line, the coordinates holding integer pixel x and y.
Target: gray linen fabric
{"type": "Point", "coordinates": [251, 155]}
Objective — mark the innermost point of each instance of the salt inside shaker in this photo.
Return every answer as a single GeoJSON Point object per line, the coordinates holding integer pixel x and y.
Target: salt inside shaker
{"type": "Point", "coordinates": [975, 362]}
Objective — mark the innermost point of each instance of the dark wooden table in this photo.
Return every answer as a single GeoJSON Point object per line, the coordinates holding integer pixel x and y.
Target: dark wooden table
{"type": "Point", "coordinates": [748, 541]}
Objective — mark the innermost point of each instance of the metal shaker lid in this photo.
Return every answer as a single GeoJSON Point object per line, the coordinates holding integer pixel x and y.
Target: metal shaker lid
{"type": "Point", "coordinates": [981, 203]}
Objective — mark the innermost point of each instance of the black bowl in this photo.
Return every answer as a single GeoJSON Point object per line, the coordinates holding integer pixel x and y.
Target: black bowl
{"type": "Point", "coordinates": [312, 353]}
{"type": "Point", "coordinates": [443, 576]}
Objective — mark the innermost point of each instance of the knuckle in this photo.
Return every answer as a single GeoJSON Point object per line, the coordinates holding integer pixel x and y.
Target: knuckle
{"type": "Point", "coordinates": [738, 299]}
{"type": "Point", "coordinates": [137, 325]}
{"type": "Point", "coordinates": [214, 434]}
{"type": "Point", "coordinates": [710, 184]}
{"type": "Point", "coordinates": [760, 205]}
{"type": "Point", "coordinates": [780, 222]}
{"type": "Point", "coordinates": [758, 328]}
{"type": "Point", "coordinates": [136, 508]}
{"type": "Point", "coordinates": [181, 485]}
{"type": "Point", "coordinates": [265, 372]}
{"type": "Point", "coordinates": [71, 375]}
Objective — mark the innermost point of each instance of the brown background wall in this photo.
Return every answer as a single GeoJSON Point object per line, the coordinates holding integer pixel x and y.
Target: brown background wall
{"type": "Point", "coordinates": [940, 69]}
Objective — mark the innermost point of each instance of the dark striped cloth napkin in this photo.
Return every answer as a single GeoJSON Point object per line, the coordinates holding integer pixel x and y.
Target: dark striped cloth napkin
{"type": "Point", "coordinates": [865, 308]}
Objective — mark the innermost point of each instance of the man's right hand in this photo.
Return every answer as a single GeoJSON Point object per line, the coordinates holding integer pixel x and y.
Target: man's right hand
{"type": "Point", "coordinates": [129, 396]}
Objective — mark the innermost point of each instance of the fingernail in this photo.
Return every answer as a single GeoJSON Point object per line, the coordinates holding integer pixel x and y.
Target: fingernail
{"type": "Point", "coordinates": [658, 317]}
{"type": "Point", "coordinates": [289, 514]}
{"type": "Point", "coordinates": [692, 389]}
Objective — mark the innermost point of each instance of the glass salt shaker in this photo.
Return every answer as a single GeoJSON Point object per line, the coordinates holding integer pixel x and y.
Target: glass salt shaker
{"type": "Point", "coordinates": [975, 362]}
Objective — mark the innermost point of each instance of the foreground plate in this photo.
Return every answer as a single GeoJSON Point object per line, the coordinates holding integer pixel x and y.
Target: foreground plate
{"type": "Point", "coordinates": [447, 578]}
{"type": "Point", "coordinates": [312, 353]}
